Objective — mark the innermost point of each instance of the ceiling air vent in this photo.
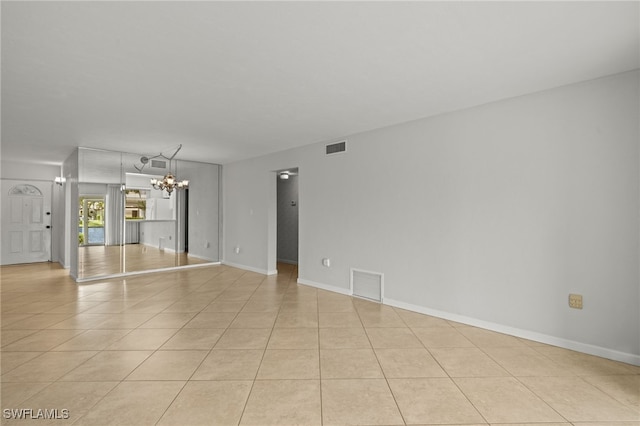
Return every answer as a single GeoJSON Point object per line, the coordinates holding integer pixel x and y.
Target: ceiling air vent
{"type": "Point", "coordinates": [159, 164]}
{"type": "Point", "coordinates": [336, 148]}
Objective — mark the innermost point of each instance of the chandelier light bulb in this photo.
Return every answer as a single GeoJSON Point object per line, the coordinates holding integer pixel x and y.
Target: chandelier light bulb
{"type": "Point", "coordinates": [168, 183]}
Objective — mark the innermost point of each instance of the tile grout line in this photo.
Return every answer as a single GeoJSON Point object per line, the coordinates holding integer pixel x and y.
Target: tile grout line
{"type": "Point", "coordinates": [255, 377]}
{"type": "Point", "coordinates": [208, 352]}
{"type": "Point", "coordinates": [451, 379]}
{"type": "Point", "coordinates": [379, 364]}
{"type": "Point", "coordinates": [522, 383]}
{"type": "Point", "coordinates": [193, 284]}
{"type": "Point", "coordinates": [123, 380]}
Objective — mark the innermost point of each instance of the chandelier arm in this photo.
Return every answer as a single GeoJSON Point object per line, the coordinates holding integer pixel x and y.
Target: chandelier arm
{"type": "Point", "coordinates": [169, 182]}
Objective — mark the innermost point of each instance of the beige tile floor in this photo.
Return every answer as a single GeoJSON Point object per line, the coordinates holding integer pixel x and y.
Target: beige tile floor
{"type": "Point", "coordinates": [217, 345]}
{"type": "Point", "coordinates": [96, 261]}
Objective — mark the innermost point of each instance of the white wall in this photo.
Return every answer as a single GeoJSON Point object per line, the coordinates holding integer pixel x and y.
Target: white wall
{"type": "Point", "coordinates": [204, 208]}
{"type": "Point", "coordinates": [100, 166]}
{"type": "Point", "coordinates": [249, 212]}
{"type": "Point", "coordinates": [18, 171]}
{"type": "Point", "coordinates": [160, 221]}
{"type": "Point", "coordinates": [490, 215]}
{"type": "Point", "coordinates": [160, 208]}
{"type": "Point", "coordinates": [151, 231]}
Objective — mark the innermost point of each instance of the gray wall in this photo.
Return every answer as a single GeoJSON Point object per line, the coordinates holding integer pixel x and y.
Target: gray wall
{"type": "Point", "coordinates": [489, 216]}
{"type": "Point", "coordinates": [204, 208]}
{"type": "Point", "coordinates": [287, 249]}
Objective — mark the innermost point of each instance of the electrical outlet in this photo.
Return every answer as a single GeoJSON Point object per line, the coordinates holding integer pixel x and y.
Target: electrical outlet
{"type": "Point", "coordinates": [575, 301]}
{"type": "Point", "coordinates": [326, 262]}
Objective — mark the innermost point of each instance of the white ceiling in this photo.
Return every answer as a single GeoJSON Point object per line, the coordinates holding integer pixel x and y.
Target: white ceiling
{"type": "Point", "coordinates": [234, 80]}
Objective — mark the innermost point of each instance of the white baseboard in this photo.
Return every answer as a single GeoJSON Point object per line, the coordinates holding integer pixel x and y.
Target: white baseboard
{"type": "Point", "coordinates": [157, 247]}
{"type": "Point", "coordinates": [525, 334]}
{"type": "Point", "coordinates": [327, 287]}
{"type": "Point", "coordinates": [250, 268]}
{"type": "Point", "coordinates": [200, 257]}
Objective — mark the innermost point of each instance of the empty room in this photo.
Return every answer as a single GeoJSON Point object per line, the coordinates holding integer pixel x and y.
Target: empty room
{"type": "Point", "coordinates": [320, 213]}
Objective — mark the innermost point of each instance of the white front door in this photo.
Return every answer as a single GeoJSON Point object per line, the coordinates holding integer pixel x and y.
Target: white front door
{"type": "Point", "coordinates": [26, 222]}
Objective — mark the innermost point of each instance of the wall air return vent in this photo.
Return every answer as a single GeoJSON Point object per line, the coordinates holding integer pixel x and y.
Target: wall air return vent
{"type": "Point", "coordinates": [366, 284]}
{"type": "Point", "coordinates": [159, 164]}
{"type": "Point", "coordinates": [336, 148]}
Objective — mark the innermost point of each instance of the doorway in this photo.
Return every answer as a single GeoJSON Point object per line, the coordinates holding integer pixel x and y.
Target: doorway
{"type": "Point", "coordinates": [185, 231]}
{"type": "Point", "coordinates": [287, 216]}
{"type": "Point", "coordinates": [26, 222]}
{"type": "Point", "coordinates": [91, 221]}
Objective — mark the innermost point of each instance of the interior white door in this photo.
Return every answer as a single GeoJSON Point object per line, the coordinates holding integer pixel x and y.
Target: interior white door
{"type": "Point", "coordinates": [26, 222]}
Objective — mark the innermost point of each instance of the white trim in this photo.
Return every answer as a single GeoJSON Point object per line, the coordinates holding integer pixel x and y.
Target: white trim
{"type": "Point", "coordinates": [200, 257]}
{"type": "Point", "coordinates": [327, 287]}
{"type": "Point", "coordinates": [351, 271]}
{"type": "Point", "coordinates": [147, 271]}
{"type": "Point", "coordinates": [153, 246]}
{"type": "Point", "coordinates": [28, 180]}
{"type": "Point", "coordinates": [250, 268]}
{"type": "Point", "coordinates": [525, 334]}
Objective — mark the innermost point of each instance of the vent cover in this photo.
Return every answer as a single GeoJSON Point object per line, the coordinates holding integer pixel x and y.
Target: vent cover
{"type": "Point", "coordinates": [335, 148]}
{"type": "Point", "coordinates": [159, 164]}
{"type": "Point", "coordinates": [366, 284]}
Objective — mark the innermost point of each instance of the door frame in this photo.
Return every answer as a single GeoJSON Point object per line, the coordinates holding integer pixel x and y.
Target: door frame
{"type": "Point", "coordinates": [272, 214]}
{"type": "Point", "coordinates": [85, 221]}
{"type": "Point", "coordinates": [46, 189]}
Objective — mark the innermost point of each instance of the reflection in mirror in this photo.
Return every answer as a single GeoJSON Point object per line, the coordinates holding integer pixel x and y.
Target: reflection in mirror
{"type": "Point", "coordinates": [135, 204]}
{"type": "Point", "coordinates": [91, 221]}
{"type": "Point", "coordinates": [97, 227]}
{"type": "Point", "coordinates": [126, 226]}
{"type": "Point", "coordinates": [155, 222]}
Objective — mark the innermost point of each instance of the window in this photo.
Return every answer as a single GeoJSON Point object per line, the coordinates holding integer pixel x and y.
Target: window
{"type": "Point", "coordinates": [135, 204]}
{"type": "Point", "coordinates": [91, 221]}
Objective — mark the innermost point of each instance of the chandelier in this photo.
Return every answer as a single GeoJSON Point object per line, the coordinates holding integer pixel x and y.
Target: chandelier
{"type": "Point", "coordinates": [169, 183]}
